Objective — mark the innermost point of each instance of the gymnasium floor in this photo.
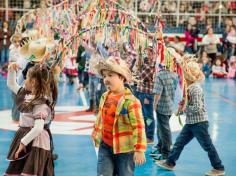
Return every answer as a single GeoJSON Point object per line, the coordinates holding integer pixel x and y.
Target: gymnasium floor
{"type": "Point", "coordinates": [77, 155]}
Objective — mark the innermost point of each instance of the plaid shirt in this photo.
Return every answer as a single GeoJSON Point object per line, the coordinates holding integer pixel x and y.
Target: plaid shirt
{"type": "Point", "coordinates": [165, 85]}
{"type": "Point", "coordinates": [128, 129]}
{"type": "Point", "coordinates": [195, 109]}
{"type": "Point", "coordinates": [147, 77]}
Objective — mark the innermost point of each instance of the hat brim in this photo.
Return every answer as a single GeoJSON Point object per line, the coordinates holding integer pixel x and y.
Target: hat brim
{"type": "Point", "coordinates": [26, 50]}
{"type": "Point", "coordinates": [103, 65]}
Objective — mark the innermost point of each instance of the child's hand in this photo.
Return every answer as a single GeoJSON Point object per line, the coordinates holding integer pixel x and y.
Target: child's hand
{"type": "Point", "coordinates": [20, 149]}
{"type": "Point", "coordinates": [13, 67]}
{"type": "Point", "coordinates": [139, 158]}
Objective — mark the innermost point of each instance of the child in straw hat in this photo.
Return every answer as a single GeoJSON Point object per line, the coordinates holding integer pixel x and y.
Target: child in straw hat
{"type": "Point", "coordinates": [196, 121]}
{"type": "Point", "coordinates": [119, 129]}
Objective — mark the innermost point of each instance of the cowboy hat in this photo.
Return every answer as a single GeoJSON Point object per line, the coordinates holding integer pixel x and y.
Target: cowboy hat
{"type": "Point", "coordinates": [32, 34]}
{"type": "Point", "coordinates": [191, 70]}
{"type": "Point", "coordinates": [115, 64]}
{"type": "Point", "coordinates": [36, 50]}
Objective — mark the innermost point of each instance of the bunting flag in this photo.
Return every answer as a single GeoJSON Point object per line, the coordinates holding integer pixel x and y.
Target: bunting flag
{"type": "Point", "coordinates": [105, 18]}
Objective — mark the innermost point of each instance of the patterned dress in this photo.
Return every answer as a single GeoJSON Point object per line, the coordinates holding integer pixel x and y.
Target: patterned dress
{"type": "Point", "coordinates": [37, 160]}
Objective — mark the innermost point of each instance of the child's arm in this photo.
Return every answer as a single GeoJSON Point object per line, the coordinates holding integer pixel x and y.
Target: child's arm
{"type": "Point", "coordinates": [11, 78]}
{"type": "Point", "coordinates": [34, 132]}
{"type": "Point", "coordinates": [40, 113]}
{"type": "Point", "coordinates": [137, 122]}
{"type": "Point", "coordinates": [139, 136]}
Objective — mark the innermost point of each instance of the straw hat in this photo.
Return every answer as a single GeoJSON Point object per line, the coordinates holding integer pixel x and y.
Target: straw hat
{"type": "Point", "coordinates": [191, 69]}
{"type": "Point", "coordinates": [32, 34]}
{"type": "Point", "coordinates": [115, 64]}
{"type": "Point", "coordinates": [36, 50]}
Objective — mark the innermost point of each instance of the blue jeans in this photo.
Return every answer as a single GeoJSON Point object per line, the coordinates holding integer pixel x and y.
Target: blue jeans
{"type": "Point", "coordinates": [147, 110]}
{"type": "Point", "coordinates": [164, 134]}
{"type": "Point", "coordinates": [93, 83]}
{"type": "Point", "coordinates": [110, 164]}
{"type": "Point", "coordinates": [4, 55]}
{"type": "Point", "coordinates": [200, 131]}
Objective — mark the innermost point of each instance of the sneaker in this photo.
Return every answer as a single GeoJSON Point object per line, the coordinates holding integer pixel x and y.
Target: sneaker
{"type": "Point", "coordinates": [215, 172]}
{"type": "Point", "coordinates": [159, 157]}
{"type": "Point", "coordinates": [154, 152]}
{"type": "Point", "coordinates": [164, 165]}
{"type": "Point", "coordinates": [150, 141]}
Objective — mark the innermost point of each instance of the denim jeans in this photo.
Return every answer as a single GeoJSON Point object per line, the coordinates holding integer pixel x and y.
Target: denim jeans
{"type": "Point", "coordinates": [200, 131]}
{"type": "Point", "coordinates": [164, 134]}
{"type": "Point", "coordinates": [4, 55]}
{"type": "Point", "coordinates": [147, 110]}
{"type": "Point", "coordinates": [93, 83]}
{"type": "Point", "coordinates": [110, 164]}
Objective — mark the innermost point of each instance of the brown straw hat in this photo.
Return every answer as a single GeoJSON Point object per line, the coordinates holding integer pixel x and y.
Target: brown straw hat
{"type": "Point", "coordinates": [36, 50]}
{"type": "Point", "coordinates": [115, 64]}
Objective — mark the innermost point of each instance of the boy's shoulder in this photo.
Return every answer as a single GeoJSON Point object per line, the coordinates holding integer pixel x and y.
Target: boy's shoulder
{"type": "Point", "coordinates": [128, 95]}
{"type": "Point", "coordinates": [195, 87]}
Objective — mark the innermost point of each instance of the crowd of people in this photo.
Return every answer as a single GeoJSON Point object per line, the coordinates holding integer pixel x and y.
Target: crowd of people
{"type": "Point", "coordinates": [216, 54]}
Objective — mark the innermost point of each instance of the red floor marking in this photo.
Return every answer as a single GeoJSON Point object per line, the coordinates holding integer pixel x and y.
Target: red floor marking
{"type": "Point", "coordinates": [84, 128]}
{"type": "Point", "coordinates": [223, 98]}
{"type": "Point", "coordinates": [66, 117]}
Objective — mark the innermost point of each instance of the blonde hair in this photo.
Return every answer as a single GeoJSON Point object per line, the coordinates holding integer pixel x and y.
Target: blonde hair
{"type": "Point", "coordinates": [191, 69]}
{"type": "Point", "coordinates": [16, 35]}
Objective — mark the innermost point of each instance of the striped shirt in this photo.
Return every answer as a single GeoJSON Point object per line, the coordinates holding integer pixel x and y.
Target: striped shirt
{"type": "Point", "coordinates": [165, 85]}
{"type": "Point", "coordinates": [195, 109]}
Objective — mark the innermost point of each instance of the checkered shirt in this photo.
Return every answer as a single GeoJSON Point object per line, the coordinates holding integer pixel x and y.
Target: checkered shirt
{"type": "Point", "coordinates": [195, 109]}
{"type": "Point", "coordinates": [165, 85]}
{"type": "Point", "coordinates": [147, 78]}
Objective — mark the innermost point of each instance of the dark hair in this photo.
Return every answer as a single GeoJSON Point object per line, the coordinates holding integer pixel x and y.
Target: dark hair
{"type": "Point", "coordinates": [46, 84]}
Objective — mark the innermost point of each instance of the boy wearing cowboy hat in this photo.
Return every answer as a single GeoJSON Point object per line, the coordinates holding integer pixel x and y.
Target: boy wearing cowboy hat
{"type": "Point", "coordinates": [119, 129]}
{"type": "Point", "coordinates": [196, 121]}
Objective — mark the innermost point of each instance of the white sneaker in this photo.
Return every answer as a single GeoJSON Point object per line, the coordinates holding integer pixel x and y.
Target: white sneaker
{"type": "Point", "coordinates": [215, 172]}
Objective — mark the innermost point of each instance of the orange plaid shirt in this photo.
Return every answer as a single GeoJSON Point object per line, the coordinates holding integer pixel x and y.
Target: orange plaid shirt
{"type": "Point", "coordinates": [128, 132]}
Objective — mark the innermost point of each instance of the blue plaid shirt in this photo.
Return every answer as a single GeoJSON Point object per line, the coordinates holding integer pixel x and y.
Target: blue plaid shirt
{"type": "Point", "coordinates": [165, 84]}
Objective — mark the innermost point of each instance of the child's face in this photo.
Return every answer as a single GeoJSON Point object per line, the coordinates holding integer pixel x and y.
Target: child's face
{"type": "Point", "coordinates": [204, 54]}
{"type": "Point", "coordinates": [16, 41]}
{"type": "Point", "coordinates": [29, 83]}
{"type": "Point", "coordinates": [205, 60]}
{"type": "Point", "coordinates": [218, 62]}
{"type": "Point", "coordinates": [112, 80]}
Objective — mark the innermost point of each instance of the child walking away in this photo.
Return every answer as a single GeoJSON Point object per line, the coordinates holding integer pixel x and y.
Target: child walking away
{"type": "Point", "coordinates": [31, 150]}
{"type": "Point", "coordinates": [196, 121]}
{"type": "Point", "coordinates": [119, 129]}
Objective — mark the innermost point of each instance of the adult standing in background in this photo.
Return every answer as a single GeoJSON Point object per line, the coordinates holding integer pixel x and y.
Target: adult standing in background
{"type": "Point", "coordinates": [5, 35]}
{"type": "Point", "coordinates": [210, 42]}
